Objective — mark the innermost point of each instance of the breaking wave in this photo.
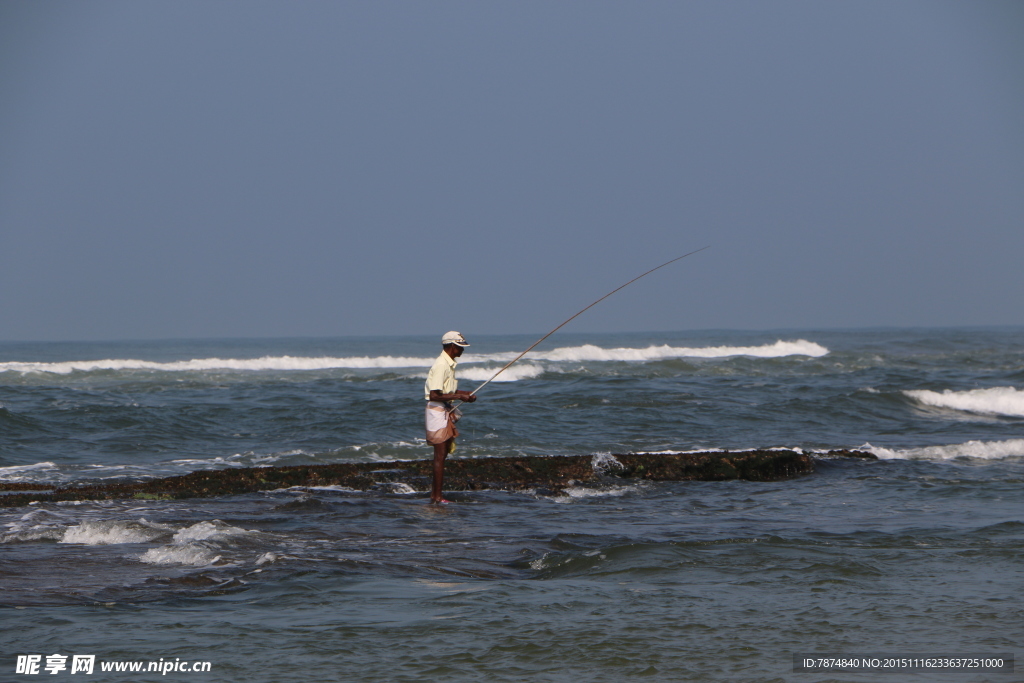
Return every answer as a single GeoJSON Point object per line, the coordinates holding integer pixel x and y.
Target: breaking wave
{"type": "Point", "coordinates": [582, 492]}
{"type": "Point", "coordinates": [985, 450]}
{"type": "Point", "coordinates": [213, 364]}
{"type": "Point", "coordinates": [105, 532]}
{"type": "Point", "coordinates": [587, 352]}
{"type": "Point", "coordinates": [513, 374]}
{"type": "Point", "coordinates": [191, 555]}
{"type": "Point", "coordinates": [994, 401]}
{"type": "Point", "coordinates": [209, 531]}
{"type": "Point", "coordinates": [18, 472]}
{"type": "Point", "coordinates": [197, 545]}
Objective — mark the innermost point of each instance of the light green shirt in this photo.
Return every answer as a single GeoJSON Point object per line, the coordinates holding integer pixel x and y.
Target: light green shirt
{"type": "Point", "coordinates": [441, 376]}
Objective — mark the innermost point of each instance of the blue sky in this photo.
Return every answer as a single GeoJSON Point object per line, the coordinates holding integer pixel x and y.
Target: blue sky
{"type": "Point", "coordinates": [233, 169]}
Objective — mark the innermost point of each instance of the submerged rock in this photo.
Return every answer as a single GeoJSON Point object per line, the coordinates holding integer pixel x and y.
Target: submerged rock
{"type": "Point", "coordinates": [553, 473]}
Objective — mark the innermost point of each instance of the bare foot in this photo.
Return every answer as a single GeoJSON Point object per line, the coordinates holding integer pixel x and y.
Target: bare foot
{"type": "Point", "coordinates": [440, 501]}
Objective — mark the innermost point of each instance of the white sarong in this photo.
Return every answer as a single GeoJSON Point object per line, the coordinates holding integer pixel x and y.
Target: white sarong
{"type": "Point", "coordinates": [441, 419]}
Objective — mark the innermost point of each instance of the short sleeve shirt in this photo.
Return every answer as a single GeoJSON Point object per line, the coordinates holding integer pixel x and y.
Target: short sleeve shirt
{"type": "Point", "coordinates": [441, 376]}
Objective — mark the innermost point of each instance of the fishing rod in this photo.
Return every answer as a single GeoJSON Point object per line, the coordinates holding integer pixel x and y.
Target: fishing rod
{"type": "Point", "coordinates": [509, 364]}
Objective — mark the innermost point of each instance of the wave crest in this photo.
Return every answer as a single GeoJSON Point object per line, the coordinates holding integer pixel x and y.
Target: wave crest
{"type": "Point", "coordinates": [106, 532]}
{"type": "Point", "coordinates": [994, 401]}
{"type": "Point", "coordinates": [230, 364]}
{"type": "Point", "coordinates": [16, 472]}
{"type": "Point", "coordinates": [191, 555]}
{"type": "Point", "coordinates": [586, 352]}
{"type": "Point", "coordinates": [589, 352]}
{"type": "Point", "coordinates": [985, 450]}
{"type": "Point", "coordinates": [513, 374]}
{"type": "Point", "coordinates": [209, 531]}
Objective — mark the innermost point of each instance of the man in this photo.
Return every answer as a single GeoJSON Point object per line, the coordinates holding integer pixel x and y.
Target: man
{"type": "Point", "coordinates": [440, 390]}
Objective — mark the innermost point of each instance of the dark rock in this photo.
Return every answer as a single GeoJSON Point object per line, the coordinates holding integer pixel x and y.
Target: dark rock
{"type": "Point", "coordinates": [550, 473]}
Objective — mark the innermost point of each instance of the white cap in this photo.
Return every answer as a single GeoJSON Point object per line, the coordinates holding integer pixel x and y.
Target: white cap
{"type": "Point", "coordinates": [454, 337]}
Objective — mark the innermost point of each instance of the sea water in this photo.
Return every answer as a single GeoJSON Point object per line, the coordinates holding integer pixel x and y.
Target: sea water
{"type": "Point", "coordinates": [918, 552]}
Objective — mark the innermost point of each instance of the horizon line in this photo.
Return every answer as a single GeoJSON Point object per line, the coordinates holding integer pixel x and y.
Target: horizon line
{"type": "Point", "coordinates": [866, 328]}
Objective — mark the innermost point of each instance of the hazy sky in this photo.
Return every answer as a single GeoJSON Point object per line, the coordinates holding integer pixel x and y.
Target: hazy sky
{"type": "Point", "coordinates": [198, 169]}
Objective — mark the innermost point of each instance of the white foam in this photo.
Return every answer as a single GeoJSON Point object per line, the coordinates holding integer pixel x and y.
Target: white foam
{"type": "Point", "coordinates": [603, 462]}
{"type": "Point", "coordinates": [206, 364]}
{"type": "Point", "coordinates": [38, 533]}
{"type": "Point", "coordinates": [209, 531]}
{"type": "Point", "coordinates": [986, 450]}
{"type": "Point", "coordinates": [14, 472]}
{"type": "Point", "coordinates": [555, 560]}
{"type": "Point", "coordinates": [34, 526]}
{"type": "Point", "coordinates": [331, 487]}
{"type": "Point", "coordinates": [191, 545]}
{"type": "Point", "coordinates": [194, 555]}
{"type": "Point", "coordinates": [395, 487]}
{"type": "Point", "coordinates": [676, 451]}
{"type": "Point", "coordinates": [994, 401]}
{"type": "Point", "coordinates": [114, 532]}
{"type": "Point", "coordinates": [512, 374]}
{"type": "Point", "coordinates": [587, 352]}
{"type": "Point", "coordinates": [581, 492]}
{"type": "Point", "coordinates": [540, 563]}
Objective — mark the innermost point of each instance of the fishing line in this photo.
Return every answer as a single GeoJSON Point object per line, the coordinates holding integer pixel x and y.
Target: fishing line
{"type": "Point", "coordinates": [509, 364]}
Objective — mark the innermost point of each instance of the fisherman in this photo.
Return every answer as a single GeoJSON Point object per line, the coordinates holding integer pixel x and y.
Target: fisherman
{"type": "Point", "coordinates": [440, 390]}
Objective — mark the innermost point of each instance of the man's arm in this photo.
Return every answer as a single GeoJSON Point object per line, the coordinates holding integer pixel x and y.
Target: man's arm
{"type": "Point", "coordinates": [436, 395]}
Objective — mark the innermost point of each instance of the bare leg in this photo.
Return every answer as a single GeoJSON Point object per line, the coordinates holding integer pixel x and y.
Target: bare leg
{"type": "Point", "coordinates": [440, 453]}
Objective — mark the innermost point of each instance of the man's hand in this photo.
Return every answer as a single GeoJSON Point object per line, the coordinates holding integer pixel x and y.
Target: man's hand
{"type": "Point", "coordinates": [466, 396]}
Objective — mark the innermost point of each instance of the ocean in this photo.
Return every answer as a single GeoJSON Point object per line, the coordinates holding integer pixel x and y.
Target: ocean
{"type": "Point", "coordinates": [916, 555]}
